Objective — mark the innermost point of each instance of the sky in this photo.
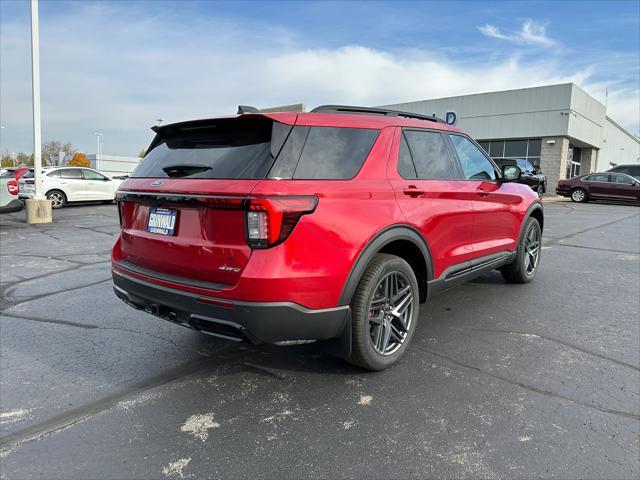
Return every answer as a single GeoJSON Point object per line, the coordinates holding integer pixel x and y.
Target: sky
{"type": "Point", "coordinates": [115, 67]}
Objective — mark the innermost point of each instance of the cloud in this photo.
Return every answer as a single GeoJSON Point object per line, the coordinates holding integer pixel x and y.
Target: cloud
{"type": "Point", "coordinates": [531, 33]}
{"type": "Point", "coordinates": [109, 69]}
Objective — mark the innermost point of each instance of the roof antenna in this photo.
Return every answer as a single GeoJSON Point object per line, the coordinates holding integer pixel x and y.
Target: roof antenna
{"type": "Point", "coordinates": [247, 109]}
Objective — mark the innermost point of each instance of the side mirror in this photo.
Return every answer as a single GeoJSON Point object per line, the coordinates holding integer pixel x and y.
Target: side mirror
{"type": "Point", "coordinates": [511, 173]}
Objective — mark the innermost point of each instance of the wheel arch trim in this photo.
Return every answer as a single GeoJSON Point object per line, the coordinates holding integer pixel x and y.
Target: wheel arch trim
{"type": "Point", "coordinates": [373, 246]}
{"type": "Point", "coordinates": [536, 206]}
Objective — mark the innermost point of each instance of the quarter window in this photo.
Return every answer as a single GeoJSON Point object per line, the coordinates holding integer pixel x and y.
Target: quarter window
{"type": "Point", "coordinates": [406, 168]}
{"type": "Point", "coordinates": [430, 155]}
{"type": "Point", "coordinates": [332, 153]}
{"type": "Point", "coordinates": [475, 166]}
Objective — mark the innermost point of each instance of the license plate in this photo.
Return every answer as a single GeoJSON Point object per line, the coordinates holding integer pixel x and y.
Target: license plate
{"type": "Point", "coordinates": [162, 221]}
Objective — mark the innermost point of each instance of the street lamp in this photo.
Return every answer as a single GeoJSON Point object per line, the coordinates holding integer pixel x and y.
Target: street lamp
{"type": "Point", "coordinates": [159, 120]}
{"type": "Point", "coordinates": [98, 150]}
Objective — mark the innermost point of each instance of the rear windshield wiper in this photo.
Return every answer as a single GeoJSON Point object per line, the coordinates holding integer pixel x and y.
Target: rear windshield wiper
{"type": "Point", "coordinates": [184, 170]}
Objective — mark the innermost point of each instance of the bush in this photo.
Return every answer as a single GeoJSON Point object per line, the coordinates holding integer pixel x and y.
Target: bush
{"type": "Point", "coordinates": [79, 159]}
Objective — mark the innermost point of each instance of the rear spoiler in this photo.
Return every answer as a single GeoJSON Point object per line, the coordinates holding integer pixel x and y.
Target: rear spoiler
{"type": "Point", "coordinates": [289, 118]}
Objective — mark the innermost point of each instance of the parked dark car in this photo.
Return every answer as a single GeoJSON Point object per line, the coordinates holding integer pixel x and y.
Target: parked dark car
{"type": "Point", "coordinates": [629, 169]}
{"type": "Point", "coordinates": [601, 186]}
{"type": "Point", "coordinates": [530, 175]}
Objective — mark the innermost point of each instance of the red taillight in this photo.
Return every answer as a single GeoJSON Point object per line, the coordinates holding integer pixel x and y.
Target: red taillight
{"type": "Point", "coordinates": [12, 186]}
{"type": "Point", "coordinates": [270, 221]}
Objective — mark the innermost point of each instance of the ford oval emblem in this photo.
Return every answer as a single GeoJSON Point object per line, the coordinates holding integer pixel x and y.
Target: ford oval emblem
{"type": "Point", "coordinates": [157, 183]}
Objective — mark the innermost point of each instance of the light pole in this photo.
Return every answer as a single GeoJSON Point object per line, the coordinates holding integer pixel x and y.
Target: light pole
{"type": "Point", "coordinates": [98, 150]}
{"type": "Point", "coordinates": [38, 208]}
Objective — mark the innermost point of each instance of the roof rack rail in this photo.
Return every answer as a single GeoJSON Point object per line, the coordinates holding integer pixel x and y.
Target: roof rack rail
{"type": "Point", "coordinates": [373, 111]}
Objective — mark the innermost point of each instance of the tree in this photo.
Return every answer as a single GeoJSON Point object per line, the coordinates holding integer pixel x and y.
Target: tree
{"type": "Point", "coordinates": [51, 149]}
{"type": "Point", "coordinates": [6, 160]}
{"type": "Point", "coordinates": [142, 153]}
{"type": "Point", "coordinates": [79, 159]}
{"type": "Point", "coordinates": [24, 160]}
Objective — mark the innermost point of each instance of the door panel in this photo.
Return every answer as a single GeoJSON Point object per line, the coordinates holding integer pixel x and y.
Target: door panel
{"type": "Point", "coordinates": [496, 224]}
{"type": "Point", "coordinates": [440, 209]}
{"type": "Point", "coordinates": [496, 220]}
{"type": "Point", "coordinates": [73, 183]}
{"type": "Point", "coordinates": [98, 186]}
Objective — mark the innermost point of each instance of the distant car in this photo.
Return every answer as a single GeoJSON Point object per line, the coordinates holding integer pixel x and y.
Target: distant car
{"type": "Point", "coordinates": [17, 172]}
{"type": "Point", "coordinates": [9, 201]}
{"type": "Point", "coordinates": [632, 169]}
{"type": "Point", "coordinates": [531, 175]}
{"type": "Point", "coordinates": [601, 186]}
{"type": "Point", "coordinates": [70, 184]}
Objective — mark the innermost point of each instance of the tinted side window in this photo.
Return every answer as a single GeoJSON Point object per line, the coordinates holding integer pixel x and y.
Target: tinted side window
{"type": "Point", "coordinates": [622, 179]}
{"type": "Point", "coordinates": [430, 155]}
{"type": "Point", "coordinates": [71, 173]}
{"type": "Point", "coordinates": [406, 168]}
{"type": "Point", "coordinates": [597, 178]}
{"type": "Point", "coordinates": [91, 175]}
{"type": "Point", "coordinates": [54, 174]}
{"type": "Point", "coordinates": [475, 166]}
{"type": "Point", "coordinates": [334, 153]}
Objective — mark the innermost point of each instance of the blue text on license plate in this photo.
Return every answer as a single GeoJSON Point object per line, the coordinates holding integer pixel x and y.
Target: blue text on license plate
{"type": "Point", "coordinates": [162, 221]}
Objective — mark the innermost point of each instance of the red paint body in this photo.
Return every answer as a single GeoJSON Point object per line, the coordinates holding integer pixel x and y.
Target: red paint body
{"type": "Point", "coordinates": [460, 220]}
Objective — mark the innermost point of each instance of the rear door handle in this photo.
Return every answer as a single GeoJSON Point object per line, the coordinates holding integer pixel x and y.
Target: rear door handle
{"type": "Point", "coordinates": [413, 191]}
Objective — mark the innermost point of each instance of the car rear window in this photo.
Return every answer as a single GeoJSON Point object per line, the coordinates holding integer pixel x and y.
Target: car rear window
{"type": "Point", "coordinates": [238, 148]}
{"type": "Point", "coordinates": [256, 148]}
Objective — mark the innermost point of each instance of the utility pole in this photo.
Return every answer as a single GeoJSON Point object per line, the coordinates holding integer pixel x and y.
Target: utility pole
{"type": "Point", "coordinates": [98, 150]}
{"type": "Point", "coordinates": [38, 208]}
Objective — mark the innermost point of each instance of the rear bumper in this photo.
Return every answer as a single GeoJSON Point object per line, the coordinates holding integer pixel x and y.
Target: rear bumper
{"type": "Point", "coordinates": [13, 206]}
{"type": "Point", "coordinates": [258, 322]}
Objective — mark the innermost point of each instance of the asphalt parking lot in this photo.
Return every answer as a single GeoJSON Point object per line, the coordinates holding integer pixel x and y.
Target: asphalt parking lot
{"type": "Point", "coordinates": [501, 381]}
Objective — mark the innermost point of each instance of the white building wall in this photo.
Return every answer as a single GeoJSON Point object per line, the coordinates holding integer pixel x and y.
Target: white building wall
{"type": "Point", "coordinates": [114, 165]}
{"type": "Point", "coordinates": [523, 113]}
{"type": "Point", "coordinates": [618, 147]}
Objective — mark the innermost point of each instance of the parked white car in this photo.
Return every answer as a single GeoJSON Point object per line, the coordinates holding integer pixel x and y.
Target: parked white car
{"type": "Point", "coordinates": [70, 184]}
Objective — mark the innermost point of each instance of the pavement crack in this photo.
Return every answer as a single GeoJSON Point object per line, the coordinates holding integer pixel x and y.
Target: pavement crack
{"type": "Point", "coordinates": [547, 393]}
{"type": "Point", "coordinates": [595, 248]}
{"type": "Point", "coordinates": [554, 241]}
{"type": "Point", "coordinates": [561, 342]}
{"type": "Point", "coordinates": [58, 322]}
{"type": "Point", "coordinates": [11, 442]}
{"type": "Point", "coordinates": [7, 305]}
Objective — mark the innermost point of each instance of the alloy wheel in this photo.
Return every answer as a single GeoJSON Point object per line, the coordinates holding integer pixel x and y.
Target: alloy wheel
{"type": "Point", "coordinates": [391, 313]}
{"type": "Point", "coordinates": [56, 199]}
{"type": "Point", "coordinates": [532, 250]}
{"type": "Point", "coordinates": [578, 195]}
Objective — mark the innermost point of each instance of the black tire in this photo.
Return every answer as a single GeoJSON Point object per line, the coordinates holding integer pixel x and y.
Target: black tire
{"type": "Point", "coordinates": [57, 198]}
{"type": "Point", "coordinates": [519, 270]}
{"type": "Point", "coordinates": [398, 272]}
{"type": "Point", "coordinates": [579, 195]}
{"type": "Point", "coordinates": [540, 190]}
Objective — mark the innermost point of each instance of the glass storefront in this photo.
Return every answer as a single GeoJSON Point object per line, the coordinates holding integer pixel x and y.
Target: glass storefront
{"type": "Point", "coordinates": [528, 149]}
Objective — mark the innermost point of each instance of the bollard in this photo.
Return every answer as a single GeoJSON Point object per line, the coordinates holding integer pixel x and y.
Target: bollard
{"type": "Point", "coordinates": [38, 210]}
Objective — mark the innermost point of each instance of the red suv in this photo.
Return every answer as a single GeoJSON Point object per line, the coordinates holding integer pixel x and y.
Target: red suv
{"type": "Point", "coordinates": [329, 225]}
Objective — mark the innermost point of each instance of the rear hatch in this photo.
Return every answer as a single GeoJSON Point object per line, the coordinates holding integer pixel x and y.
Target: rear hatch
{"type": "Point", "coordinates": [183, 209]}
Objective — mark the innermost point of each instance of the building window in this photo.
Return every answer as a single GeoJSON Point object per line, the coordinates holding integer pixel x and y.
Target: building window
{"type": "Point", "coordinates": [528, 149]}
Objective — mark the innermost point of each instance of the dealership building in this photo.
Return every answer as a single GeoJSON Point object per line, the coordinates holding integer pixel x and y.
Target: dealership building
{"type": "Point", "coordinates": [559, 128]}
